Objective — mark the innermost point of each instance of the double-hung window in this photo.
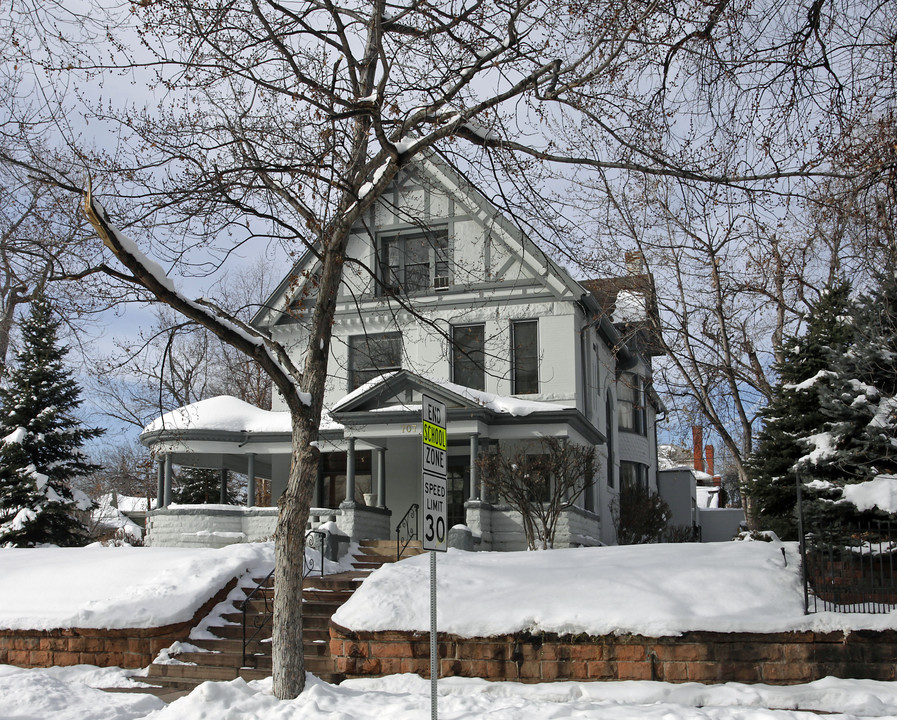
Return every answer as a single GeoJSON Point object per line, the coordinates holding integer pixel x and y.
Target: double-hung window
{"type": "Point", "coordinates": [415, 261]}
{"type": "Point", "coordinates": [633, 474]}
{"type": "Point", "coordinates": [525, 357]}
{"type": "Point", "coordinates": [469, 355]}
{"type": "Point", "coordinates": [631, 404]}
{"type": "Point", "coordinates": [373, 355]}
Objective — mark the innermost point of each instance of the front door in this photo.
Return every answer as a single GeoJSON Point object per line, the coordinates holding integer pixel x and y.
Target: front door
{"type": "Point", "coordinates": [457, 488]}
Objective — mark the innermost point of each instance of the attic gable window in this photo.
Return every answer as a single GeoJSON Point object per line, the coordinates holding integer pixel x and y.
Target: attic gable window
{"type": "Point", "coordinates": [373, 355]}
{"type": "Point", "coordinates": [414, 261]}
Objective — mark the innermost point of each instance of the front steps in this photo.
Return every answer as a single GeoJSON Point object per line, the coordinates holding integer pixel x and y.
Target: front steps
{"type": "Point", "coordinates": [373, 554]}
{"type": "Point", "coordinates": [221, 658]}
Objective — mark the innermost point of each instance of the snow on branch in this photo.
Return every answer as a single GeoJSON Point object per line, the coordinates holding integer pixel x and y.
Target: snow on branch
{"type": "Point", "coordinates": [149, 274]}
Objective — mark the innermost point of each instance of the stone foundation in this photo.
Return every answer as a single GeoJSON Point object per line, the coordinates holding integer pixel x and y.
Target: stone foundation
{"type": "Point", "coordinates": [498, 527]}
{"type": "Point", "coordinates": [217, 526]}
{"type": "Point", "coordinates": [777, 659]}
{"type": "Point", "coordinates": [360, 522]}
{"type": "Point", "coordinates": [126, 647]}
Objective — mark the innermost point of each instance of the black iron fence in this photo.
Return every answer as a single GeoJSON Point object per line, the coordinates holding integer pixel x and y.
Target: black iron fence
{"type": "Point", "coordinates": [851, 567]}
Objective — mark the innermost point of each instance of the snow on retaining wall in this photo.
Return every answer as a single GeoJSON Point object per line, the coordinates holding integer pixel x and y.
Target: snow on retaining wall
{"type": "Point", "coordinates": [126, 647]}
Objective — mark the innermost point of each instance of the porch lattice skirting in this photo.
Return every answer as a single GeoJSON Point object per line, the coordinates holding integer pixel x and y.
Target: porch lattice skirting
{"type": "Point", "coordinates": [776, 658]}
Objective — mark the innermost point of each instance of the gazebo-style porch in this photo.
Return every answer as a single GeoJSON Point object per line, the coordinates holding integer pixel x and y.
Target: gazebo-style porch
{"type": "Point", "coordinates": [369, 476]}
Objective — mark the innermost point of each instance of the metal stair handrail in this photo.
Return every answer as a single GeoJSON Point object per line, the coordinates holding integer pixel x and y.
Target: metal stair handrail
{"type": "Point", "coordinates": [268, 614]}
{"type": "Point", "coordinates": [406, 530]}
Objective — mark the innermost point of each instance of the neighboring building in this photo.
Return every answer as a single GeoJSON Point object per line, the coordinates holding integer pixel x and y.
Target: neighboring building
{"type": "Point", "coordinates": [458, 304]}
{"type": "Point", "coordinates": [689, 485]}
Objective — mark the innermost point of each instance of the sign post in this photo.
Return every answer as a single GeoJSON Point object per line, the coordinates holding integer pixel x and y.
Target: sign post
{"type": "Point", "coordinates": [435, 534]}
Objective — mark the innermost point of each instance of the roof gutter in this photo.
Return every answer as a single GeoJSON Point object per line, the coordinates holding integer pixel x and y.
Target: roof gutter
{"type": "Point", "coordinates": [627, 358]}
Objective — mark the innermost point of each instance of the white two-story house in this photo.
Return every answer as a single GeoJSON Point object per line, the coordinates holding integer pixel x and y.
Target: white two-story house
{"type": "Point", "coordinates": [443, 296]}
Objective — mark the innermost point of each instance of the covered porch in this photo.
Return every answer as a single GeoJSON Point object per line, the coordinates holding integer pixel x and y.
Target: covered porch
{"type": "Point", "coordinates": [369, 475]}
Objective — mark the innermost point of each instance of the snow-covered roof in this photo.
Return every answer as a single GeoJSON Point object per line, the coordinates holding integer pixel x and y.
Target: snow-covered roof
{"type": "Point", "coordinates": [125, 503]}
{"type": "Point", "coordinates": [707, 497]}
{"type": "Point", "coordinates": [229, 414]}
{"type": "Point", "coordinates": [226, 413]}
{"type": "Point", "coordinates": [673, 457]}
{"type": "Point", "coordinates": [497, 403]}
{"type": "Point", "coordinates": [630, 307]}
{"type": "Point", "coordinates": [112, 519]}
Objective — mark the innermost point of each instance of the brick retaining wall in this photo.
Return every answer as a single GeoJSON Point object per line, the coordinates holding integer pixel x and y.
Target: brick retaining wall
{"type": "Point", "coordinates": [126, 647]}
{"type": "Point", "coordinates": [778, 659]}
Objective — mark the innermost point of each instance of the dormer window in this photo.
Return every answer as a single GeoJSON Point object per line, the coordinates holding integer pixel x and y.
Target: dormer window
{"type": "Point", "coordinates": [414, 261]}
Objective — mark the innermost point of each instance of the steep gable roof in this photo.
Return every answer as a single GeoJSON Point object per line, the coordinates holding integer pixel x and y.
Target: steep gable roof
{"type": "Point", "coordinates": [451, 181]}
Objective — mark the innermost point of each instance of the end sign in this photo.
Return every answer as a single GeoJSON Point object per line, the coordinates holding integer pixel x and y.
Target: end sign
{"type": "Point", "coordinates": [434, 466]}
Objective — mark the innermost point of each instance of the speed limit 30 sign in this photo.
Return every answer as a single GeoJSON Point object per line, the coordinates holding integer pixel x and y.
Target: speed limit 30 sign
{"type": "Point", "coordinates": [433, 466]}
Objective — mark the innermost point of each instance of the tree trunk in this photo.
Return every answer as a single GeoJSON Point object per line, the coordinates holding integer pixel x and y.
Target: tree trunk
{"type": "Point", "coordinates": [289, 553]}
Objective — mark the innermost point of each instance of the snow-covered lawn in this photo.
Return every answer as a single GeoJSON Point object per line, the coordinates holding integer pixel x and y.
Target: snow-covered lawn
{"type": "Point", "coordinates": [117, 587]}
{"type": "Point", "coordinates": [658, 589]}
{"type": "Point", "coordinates": [66, 694]}
{"type": "Point", "coordinates": [652, 590]}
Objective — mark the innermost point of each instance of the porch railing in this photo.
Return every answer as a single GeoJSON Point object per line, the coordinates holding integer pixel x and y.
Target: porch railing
{"type": "Point", "coordinates": [263, 620]}
{"type": "Point", "coordinates": [406, 530]}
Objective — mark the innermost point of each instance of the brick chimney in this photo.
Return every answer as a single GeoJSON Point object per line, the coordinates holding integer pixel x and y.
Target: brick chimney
{"type": "Point", "coordinates": [717, 479]}
{"type": "Point", "coordinates": [697, 438]}
{"type": "Point", "coordinates": [635, 262]}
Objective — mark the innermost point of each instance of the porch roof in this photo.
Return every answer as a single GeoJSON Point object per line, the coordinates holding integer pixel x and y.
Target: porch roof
{"type": "Point", "coordinates": [213, 429]}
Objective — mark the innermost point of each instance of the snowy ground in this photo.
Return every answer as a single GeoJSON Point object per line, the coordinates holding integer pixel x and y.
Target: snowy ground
{"type": "Point", "coordinates": [66, 694]}
{"type": "Point", "coordinates": [661, 589]}
{"type": "Point", "coordinates": [653, 590]}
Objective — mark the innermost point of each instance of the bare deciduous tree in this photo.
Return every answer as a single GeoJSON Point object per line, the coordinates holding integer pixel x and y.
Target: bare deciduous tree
{"type": "Point", "coordinates": [539, 483]}
{"type": "Point", "coordinates": [175, 363]}
{"type": "Point", "coordinates": [288, 123]}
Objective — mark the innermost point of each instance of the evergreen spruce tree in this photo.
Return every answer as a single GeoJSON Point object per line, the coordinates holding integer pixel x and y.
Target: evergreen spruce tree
{"type": "Point", "coordinates": [201, 486]}
{"type": "Point", "coordinates": [40, 442]}
{"type": "Point", "coordinates": [859, 402]}
{"type": "Point", "coordinates": [795, 411]}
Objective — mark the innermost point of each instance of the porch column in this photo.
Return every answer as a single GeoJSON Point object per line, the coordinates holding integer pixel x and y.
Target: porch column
{"type": "Point", "coordinates": [568, 490]}
{"type": "Point", "coordinates": [381, 477]}
{"type": "Point", "coordinates": [483, 487]}
{"type": "Point", "coordinates": [250, 484]}
{"type": "Point", "coordinates": [474, 451]}
{"type": "Point", "coordinates": [350, 471]}
{"type": "Point", "coordinates": [160, 482]}
{"type": "Point", "coordinates": [166, 494]}
{"type": "Point", "coordinates": [318, 494]}
{"type": "Point", "coordinates": [222, 491]}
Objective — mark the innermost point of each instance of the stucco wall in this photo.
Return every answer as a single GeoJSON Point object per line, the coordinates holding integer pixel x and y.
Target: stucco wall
{"type": "Point", "coordinates": [719, 524]}
{"type": "Point", "coordinates": [202, 526]}
{"type": "Point", "coordinates": [497, 527]}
